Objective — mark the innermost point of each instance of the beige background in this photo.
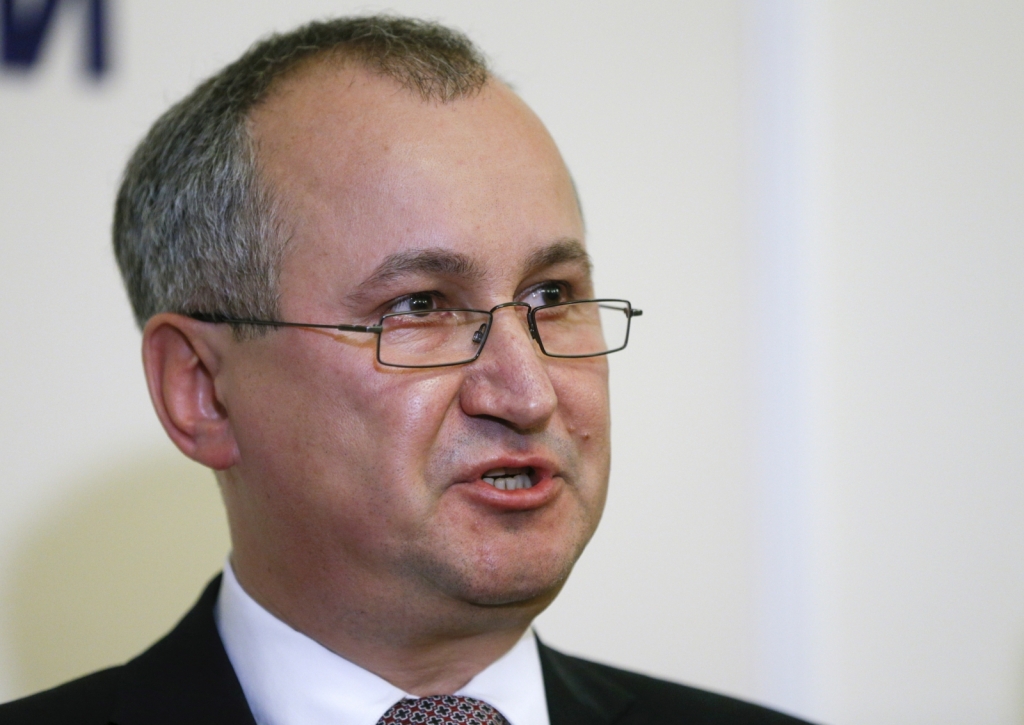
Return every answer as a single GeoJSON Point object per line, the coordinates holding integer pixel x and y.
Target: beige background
{"type": "Point", "coordinates": [819, 425]}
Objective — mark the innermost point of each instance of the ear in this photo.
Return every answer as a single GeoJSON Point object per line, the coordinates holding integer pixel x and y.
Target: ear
{"type": "Point", "coordinates": [182, 357]}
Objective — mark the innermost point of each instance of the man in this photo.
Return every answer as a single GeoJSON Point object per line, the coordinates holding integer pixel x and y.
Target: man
{"type": "Point", "coordinates": [358, 262]}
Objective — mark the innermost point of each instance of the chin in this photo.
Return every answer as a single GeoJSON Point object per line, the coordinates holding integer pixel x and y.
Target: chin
{"type": "Point", "coordinates": [522, 563]}
{"type": "Point", "coordinates": [501, 579]}
{"type": "Point", "coordinates": [533, 594]}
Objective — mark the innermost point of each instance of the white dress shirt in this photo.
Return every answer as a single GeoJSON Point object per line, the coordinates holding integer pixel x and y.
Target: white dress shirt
{"type": "Point", "coordinates": [290, 679]}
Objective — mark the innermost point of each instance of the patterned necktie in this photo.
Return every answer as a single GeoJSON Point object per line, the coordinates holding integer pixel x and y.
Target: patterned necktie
{"type": "Point", "coordinates": [442, 710]}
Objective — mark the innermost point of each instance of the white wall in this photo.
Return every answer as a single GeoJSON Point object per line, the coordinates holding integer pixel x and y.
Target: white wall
{"type": "Point", "coordinates": [922, 335]}
{"type": "Point", "coordinates": [818, 425]}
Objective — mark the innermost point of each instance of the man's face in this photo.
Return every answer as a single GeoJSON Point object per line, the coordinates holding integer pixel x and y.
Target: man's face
{"type": "Point", "coordinates": [359, 479]}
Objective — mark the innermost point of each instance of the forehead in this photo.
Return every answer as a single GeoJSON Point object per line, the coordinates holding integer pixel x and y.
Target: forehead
{"type": "Point", "coordinates": [364, 170]}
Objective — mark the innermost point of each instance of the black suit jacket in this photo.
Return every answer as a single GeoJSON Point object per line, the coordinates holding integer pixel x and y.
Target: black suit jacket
{"type": "Point", "coordinates": [187, 679]}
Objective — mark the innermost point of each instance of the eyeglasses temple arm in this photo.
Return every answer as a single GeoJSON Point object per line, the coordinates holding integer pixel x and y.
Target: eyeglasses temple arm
{"type": "Point", "coordinates": [376, 329]}
{"type": "Point", "coordinates": [224, 319]}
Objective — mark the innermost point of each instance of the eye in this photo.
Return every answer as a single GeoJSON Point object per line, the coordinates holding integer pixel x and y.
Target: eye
{"type": "Point", "coordinates": [417, 302]}
{"type": "Point", "coordinates": [548, 293]}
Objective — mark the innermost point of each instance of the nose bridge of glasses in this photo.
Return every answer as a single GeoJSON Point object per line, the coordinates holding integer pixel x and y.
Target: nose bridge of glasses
{"type": "Point", "coordinates": [503, 305]}
{"type": "Point", "coordinates": [527, 319]}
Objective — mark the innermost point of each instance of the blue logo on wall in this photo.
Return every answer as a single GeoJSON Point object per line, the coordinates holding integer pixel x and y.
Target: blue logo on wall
{"type": "Point", "coordinates": [26, 25]}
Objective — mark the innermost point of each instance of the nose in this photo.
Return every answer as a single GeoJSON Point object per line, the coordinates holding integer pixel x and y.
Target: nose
{"type": "Point", "coordinates": [509, 381]}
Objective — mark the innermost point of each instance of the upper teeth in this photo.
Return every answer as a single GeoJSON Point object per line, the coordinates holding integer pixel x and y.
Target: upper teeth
{"type": "Point", "coordinates": [505, 481]}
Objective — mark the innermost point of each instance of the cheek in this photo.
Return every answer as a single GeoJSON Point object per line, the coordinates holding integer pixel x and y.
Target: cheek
{"type": "Point", "coordinates": [404, 413]}
{"type": "Point", "coordinates": [333, 454]}
{"type": "Point", "coordinates": [410, 405]}
{"type": "Point", "coordinates": [377, 433]}
{"type": "Point", "coordinates": [351, 393]}
{"type": "Point", "coordinates": [582, 391]}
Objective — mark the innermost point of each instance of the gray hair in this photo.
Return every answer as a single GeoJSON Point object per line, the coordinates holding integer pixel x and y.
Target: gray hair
{"type": "Point", "coordinates": [195, 228]}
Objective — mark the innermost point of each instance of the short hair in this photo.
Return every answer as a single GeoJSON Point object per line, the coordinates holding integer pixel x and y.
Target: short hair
{"type": "Point", "coordinates": [195, 228]}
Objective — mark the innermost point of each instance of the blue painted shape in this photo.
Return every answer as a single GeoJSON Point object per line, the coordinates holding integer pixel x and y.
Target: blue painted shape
{"type": "Point", "coordinates": [97, 45]}
{"type": "Point", "coordinates": [24, 31]}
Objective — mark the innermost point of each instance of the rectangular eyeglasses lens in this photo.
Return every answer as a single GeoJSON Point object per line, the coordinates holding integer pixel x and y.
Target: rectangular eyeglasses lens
{"type": "Point", "coordinates": [438, 337]}
{"type": "Point", "coordinates": [572, 329]}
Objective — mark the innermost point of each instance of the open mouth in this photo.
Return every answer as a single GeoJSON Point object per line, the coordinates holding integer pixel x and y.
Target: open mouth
{"type": "Point", "coordinates": [509, 479]}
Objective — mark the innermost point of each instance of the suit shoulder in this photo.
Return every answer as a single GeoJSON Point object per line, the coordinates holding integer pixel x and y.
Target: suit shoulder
{"type": "Point", "coordinates": [661, 701]}
{"type": "Point", "coordinates": [85, 701]}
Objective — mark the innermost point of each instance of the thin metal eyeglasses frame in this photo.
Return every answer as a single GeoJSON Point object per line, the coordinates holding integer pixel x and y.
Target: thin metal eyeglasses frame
{"type": "Point", "coordinates": [377, 329]}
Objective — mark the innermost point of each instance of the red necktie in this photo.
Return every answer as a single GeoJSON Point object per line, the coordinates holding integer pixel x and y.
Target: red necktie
{"type": "Point", "coordinates": [442, 710]}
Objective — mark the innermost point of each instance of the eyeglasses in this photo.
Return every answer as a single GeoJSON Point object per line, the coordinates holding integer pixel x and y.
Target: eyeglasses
{"type": "Point", "coordinates": [440, 338]}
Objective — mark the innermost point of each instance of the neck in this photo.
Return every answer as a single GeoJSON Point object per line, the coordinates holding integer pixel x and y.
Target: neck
{"type": "Point", "coordinates": [408, 641]}
{"type": "Point", "coordinates": [440, 668]}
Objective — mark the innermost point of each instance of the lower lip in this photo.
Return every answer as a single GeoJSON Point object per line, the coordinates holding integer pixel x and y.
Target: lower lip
{"type": "Point", "coordinates": [522, 499]}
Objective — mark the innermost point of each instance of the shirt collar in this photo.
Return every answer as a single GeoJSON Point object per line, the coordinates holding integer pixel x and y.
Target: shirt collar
{"type": "Point", "coordinates": [290, 679]}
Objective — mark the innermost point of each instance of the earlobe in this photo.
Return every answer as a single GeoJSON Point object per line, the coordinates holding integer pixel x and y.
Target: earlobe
{"type": "Point", "coordinates": [181, 360]}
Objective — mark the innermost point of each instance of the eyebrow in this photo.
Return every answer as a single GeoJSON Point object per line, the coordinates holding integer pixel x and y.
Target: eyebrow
{"type": "Point", "coordinates": [455, 264]}
{"type": "Point", "coordinates": [419, 261]}
{"type": "Point", "coordinates": [561, 252]}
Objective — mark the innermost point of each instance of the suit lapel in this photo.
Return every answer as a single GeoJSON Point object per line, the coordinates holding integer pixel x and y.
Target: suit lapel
{"type": "Point", "coordinates": [579, 694]}
{"type": "Point", "coordinates": [184, 678]}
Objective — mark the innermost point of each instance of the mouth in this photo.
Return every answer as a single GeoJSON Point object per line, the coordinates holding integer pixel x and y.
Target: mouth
{"type": "Point", "coordinates": [512, 485]}
{"type": "Point", "coordinates": [510, 479]}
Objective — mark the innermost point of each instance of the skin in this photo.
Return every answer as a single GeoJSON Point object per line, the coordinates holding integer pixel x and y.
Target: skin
{"type": "Point", "coordinates": [353, 490]}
